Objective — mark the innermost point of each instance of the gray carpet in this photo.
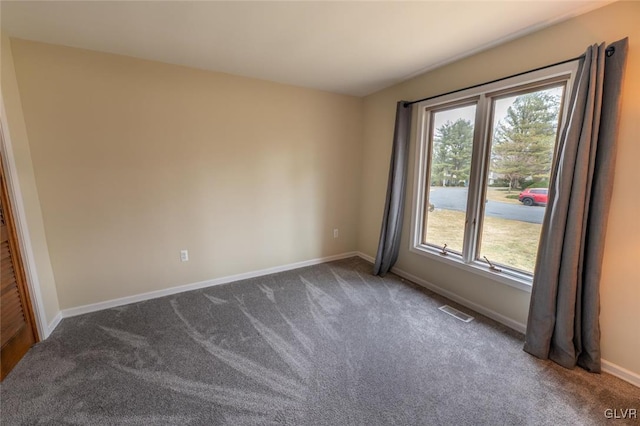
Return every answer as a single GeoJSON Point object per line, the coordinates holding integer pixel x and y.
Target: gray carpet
{"type": "Point", "coordinates": [323, 345]}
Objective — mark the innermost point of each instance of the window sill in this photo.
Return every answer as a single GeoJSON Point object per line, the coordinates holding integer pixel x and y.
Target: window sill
{"type": "Point", "coordinates": [512, 279]}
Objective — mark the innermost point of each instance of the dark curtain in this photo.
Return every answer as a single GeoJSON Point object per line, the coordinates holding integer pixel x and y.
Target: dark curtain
{"type": "Point", "coordinates": [389, 244]}
{"type": "Point", "coordinates": [563, 322]}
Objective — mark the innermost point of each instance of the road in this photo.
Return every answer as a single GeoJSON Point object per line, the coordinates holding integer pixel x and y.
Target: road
{"type": "Point", "coordinates": [456, 199]}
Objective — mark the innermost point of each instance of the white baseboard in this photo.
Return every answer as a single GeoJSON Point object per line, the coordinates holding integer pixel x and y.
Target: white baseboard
{"type": "Point", "coordinates": [366, 257]}
{"type": "Point", "coordinates": [502, 319]}
{"type": "Point", "coordinates": [621, 373]}
{"type": "Point", "coordinates": [85, 309]}
{"type": "Point", "coordinates": [52, 325]}
{"type": "Point", "coordinates": [607, 367]}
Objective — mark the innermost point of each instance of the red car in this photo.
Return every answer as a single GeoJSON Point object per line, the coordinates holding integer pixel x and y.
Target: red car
{"type": "Point", "coordinates": [531, 196]}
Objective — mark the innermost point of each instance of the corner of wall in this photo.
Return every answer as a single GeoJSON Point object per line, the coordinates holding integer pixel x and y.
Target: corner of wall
{"type": "Point", "coordinates": [360, 183]}
{"type": "Point", "coordinates": [23, 190]}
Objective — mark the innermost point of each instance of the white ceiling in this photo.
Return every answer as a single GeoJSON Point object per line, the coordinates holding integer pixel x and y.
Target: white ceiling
{"type": "Point", "coordinates": [346, 47]}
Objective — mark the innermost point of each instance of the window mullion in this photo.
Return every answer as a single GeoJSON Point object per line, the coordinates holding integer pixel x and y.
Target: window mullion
{"type": "Point", "coordinates": [477, 149]}
{"type": "Point", "coordinates": [474, 196]}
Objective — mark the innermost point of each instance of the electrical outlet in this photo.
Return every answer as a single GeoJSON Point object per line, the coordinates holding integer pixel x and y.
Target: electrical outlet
{"type": "Point", "coordinates": [184, 255]}
{"type": "Point", "coordinates": [335, 233]}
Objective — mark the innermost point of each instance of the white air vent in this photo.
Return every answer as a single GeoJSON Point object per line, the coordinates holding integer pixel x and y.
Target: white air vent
{"type": "Point", "coordinates": [456, 313]}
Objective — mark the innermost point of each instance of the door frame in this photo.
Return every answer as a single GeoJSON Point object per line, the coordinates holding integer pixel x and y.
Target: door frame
{"type": "Point", "coordinates": [42, 328]}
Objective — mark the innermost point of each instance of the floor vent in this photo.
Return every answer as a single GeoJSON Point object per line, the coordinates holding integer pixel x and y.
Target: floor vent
{"type": "Point", "coordinates": [456, 313]}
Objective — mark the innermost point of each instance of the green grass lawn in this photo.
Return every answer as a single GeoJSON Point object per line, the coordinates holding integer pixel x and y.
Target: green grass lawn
{"type": "Point", "coordinates": [501, 194]}
{"type": "Point", "coordinates": [507, 242]}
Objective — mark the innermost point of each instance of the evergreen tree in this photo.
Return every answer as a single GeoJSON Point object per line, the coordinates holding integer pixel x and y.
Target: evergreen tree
{"type": "Point", "coordinates": [452, 148]}
{"type": "Point", "coordinates": [524, 141]}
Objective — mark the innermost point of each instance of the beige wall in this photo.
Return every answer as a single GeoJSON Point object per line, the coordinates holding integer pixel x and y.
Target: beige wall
{"type": "Point", "coordinates": [136, 160]}
{"type": "Point", "coordinates": [17, 135]}
{"type": "Point", "coordinates": [620, 287]}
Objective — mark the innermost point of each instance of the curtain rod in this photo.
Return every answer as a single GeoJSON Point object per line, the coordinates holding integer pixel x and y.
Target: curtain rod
{"type": "Point", "coordinates": [609, 51]}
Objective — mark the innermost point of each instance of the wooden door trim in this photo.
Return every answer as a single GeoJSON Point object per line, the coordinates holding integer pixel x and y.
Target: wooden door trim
{"type": "Point", "coordinates": [14, 246]}
{"type": "Point", "coordinates": [43, 327]}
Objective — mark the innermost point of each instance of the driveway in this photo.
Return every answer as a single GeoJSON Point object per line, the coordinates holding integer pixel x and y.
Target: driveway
{"type": "Point", "coordinates": [456, 199]}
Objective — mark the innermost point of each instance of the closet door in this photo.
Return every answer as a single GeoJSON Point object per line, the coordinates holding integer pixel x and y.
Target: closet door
{"type": "Point", "coordinates": [17, 331]}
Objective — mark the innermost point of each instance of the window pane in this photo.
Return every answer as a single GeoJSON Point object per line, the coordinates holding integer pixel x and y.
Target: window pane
{"type": "Point", "coordinates": [522, 147]}
{"type": "Point", "coordinates": [451, 146]}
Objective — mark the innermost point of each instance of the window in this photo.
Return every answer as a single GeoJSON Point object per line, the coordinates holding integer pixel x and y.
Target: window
{"type": "Point", "coordinates": [484, 162]}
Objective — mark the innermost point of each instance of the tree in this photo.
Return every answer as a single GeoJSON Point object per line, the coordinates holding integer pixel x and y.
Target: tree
{"type": "Point", "coordinates": [452, 148]}
{"type": "Point", "coordinates": [524, 141]}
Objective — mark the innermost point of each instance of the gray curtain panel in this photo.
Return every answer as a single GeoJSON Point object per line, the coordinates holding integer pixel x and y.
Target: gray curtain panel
{"type": "Point", "coordinates": [389, 244]}
{"type": "Point", "coordinates": [563, 320]}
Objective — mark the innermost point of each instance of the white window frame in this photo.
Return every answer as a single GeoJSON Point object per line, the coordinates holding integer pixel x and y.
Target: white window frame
{"type": "Point", "coordinates": [479, 167]}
